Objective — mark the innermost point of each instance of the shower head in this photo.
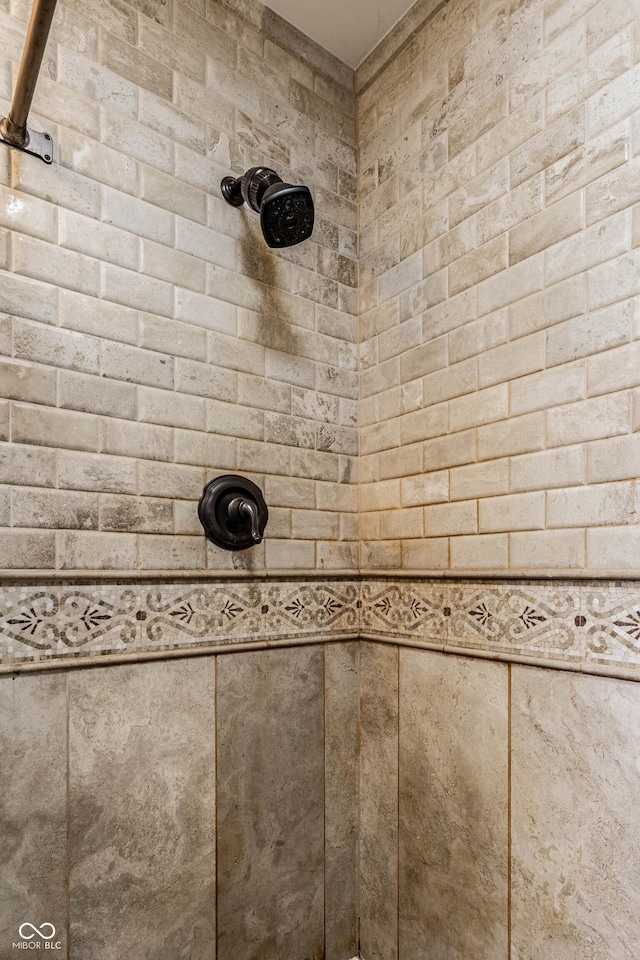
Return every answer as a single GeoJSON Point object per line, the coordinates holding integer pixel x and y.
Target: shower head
{"type": "Point", "coordinates": [286, 212]}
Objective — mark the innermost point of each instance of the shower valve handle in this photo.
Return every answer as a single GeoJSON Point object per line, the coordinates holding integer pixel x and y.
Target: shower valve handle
{"type": "Point", "coordinates": [240, 510]}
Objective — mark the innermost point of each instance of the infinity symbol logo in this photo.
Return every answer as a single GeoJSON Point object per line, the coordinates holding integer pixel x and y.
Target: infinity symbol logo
{"type": "Point", "coordinates": [37, 932]}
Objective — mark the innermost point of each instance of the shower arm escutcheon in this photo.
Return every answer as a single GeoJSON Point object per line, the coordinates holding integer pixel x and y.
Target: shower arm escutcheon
{"type": "Point", "coordinates": [13, 128]}
{"type": "Point", "coordinates": [233, 512]}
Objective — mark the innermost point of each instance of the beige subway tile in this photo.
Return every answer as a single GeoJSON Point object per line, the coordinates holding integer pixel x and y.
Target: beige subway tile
{"type": "Point", "coordinates": [234, 420]}
{"type": "Point", "coordinates": [451, 519]}
{"type": "Point", "coordinates": [274, 458]}
{"type": "Point", "coordinates": [170, 480]}
{"type": "Point", "coordinates": [205, 380]}
{"type": "Point", "coordinates": [97, 317]}
{"type": "Point", "coordinates": [614, 280]}
{"type": "Point", "coordinates": [57, 184]}
{"type": "Point", "coordinates": [384, 495]}
{"type": "Point", "coordinates": [593, 334]}
{"type": "Point", "coordinates": [54, 509]}
{"type": "Point", "coordinates": [92, 163]}
{"type": "Point", "coordinates": [588, 420]}
{"type": "Point", "coordinates": [419, 361]}
{"type": "Point", "coordinates": [450, 451]}
{"type": "Point", "coordinates": [480, 552]}
{"type": "Point", "coordinates": [30, 215]}
{"type": "Point", "coordinates": [88, 550]}
{"type": "Point", "coordinates": [185, 518]}
{"type": "Point", "coordinates": [511, 209]}
{"type": "Point", "coordinates": [603, 504]}
{"type": "Point", "coordinates": [26, 466]}
{"type": "Point", "coordinates": [126, 439]}
{"type": "Point", "coordinates": [512, 284]}
{"type": "Point", "coordinates": [504, 514]}
{"type": "Point", "coordinates": [399, 524]}
{"type": "Point", "coordinates": [614, 102]}
{"type": "Point", "coordinates": [512, 360]}
{"type": "Point", "coordinates": [479, 193]}
{"type": "Point", "coordinates": [537, 66]}
{"type": "Point", "coordinates": [510, 133]}
{"type": "Point", "coordinates": [613, 548]}
{"type": "Point", "coordinates": [548, 146]}
{"type": "Point", "coordinates": [548, 549]}
{"type": "Point", "coordinates": [137, 216]}
{"type": "Point", "coordinates": [588, 248]}
{"type": "Point", "coordinates": [616, 191]}
{"type": "Point", "coordinates": [207, 312]}
{"type": "Point", "coordinates": [425, 554]}
{"type": "Point", "coordinates": [55, 347]}
{"type": "Point", "coordinates": [171, 409]}
{"type": "Point", "coordinates": [548, 389]}
{"type": "Point", "coordinates": [28, 298]}
{"type": "Point", "coordinates": [22, 550]}
{"type": "Point", "coordinates": [158, 552]}
{"type": "Point", "coordinates": [385, 555]}
{"type": "Point", "coordinates": [204, 449]}
{"type": "Point", "coordinates": [425, 488]}
{"type": "Point", "coordinates": [401, 463]}
{"type": "Point", "coordinates": [28, 382]}
{"type": "Point", "coordinates": [594, 159]}
{"type": "Point", "coordinates": [337, 556]}
{"type": "Point", "coordinates": [487, 479]}
{"type": "Point", "coordinates": [553, 305]}
{"type": "Point", "coordinates": [555, 223]}
{"type": "Point", "coordinates": [314, 525]}
{"type": "Point", "coordinates": [96, 239]}
{"type": "Point", "coordinates": [172, 337]}
{"type": "Point", "coordinates": [510, 437]}
{"type": "Point", "coordinates": [142, 142]}
{"type": "Point", "coordinates": [479, 336]}
{"type": "Point", "coordinates": [53, 428]}
{"type": "Point", "coordinates": [51, 264]}
{"type": "Point", "coordinates": [337, 496]}
{"type": "Point", "coordinates": [290, 554]}
{"type": "Point", "coordinates": [485, 262]}
{"type": "Point", "coordinates": [483, 406]}
{"type": "Point", "coordinates": [453, 381]}
{"type": "Point", "coordinates": [425, 424]}
{"type": "Point", "coordinates": [449, 315]}
{"type": "Point", "coordinates": [78, 391]}
{"type": "Point", "coordinates": [615, 458]}
{"type": "Point", "coordinates": [550, 468]}
{"type": "Point", "coordinates": [98, 472]}
{"type": "Point", "coordinates": [135, 290]}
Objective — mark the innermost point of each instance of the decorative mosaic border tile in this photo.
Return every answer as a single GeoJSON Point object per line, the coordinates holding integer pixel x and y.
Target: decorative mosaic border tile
{"type": "Point", "coordinates": [58, 621]}
{"type": "Point", "coordinates": [594, 623]}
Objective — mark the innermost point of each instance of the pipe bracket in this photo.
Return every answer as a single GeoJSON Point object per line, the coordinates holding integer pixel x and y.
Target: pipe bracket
{"type": "Point", "coordinates": [36, 143]}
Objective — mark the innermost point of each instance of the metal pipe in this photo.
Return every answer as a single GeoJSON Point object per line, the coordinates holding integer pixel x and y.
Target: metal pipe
{"type": "Point", "coordinates": [14, 127]}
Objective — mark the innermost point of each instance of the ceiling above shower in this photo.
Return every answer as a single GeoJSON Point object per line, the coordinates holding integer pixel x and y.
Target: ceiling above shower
{"type": "Point", "coordinates": [350, 29]}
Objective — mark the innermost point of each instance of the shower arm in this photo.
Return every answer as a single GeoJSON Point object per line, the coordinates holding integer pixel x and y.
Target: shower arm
{"type": "Point", "coordinates": [13, 127]}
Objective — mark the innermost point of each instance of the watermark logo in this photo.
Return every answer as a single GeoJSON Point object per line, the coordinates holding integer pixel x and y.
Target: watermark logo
{"type": "Point", "coordinates": [37, 938]}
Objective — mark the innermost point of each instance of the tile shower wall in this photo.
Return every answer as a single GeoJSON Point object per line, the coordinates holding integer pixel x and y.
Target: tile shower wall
{"type": "Point", "coordinates": [201, 808]}
{"type": "Point", "coordinates": [499, 183]}
{"type": "Point", "coordinates": [149, 339]}
{"type": "Point", "coordinates": [507, 798]}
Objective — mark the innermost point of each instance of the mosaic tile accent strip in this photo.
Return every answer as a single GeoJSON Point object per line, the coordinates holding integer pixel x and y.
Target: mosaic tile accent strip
{"type": "Point", "coordinates": [579, 622]}
{"type": "Point", "coordinates": [39, 623]}
{"type": "Point", "coordinates": [595, 622]}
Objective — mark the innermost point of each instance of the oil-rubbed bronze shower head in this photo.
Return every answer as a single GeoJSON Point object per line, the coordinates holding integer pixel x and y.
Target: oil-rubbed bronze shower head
{"type": "Point", "coordinates": [286, 211]}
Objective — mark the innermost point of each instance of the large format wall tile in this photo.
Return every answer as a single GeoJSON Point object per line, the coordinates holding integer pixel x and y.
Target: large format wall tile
{"type": "Point", "coordinates": [33, 809]}
{"type": "Point", "coordinates": [142, 811]}
{"type": "Point", "coordinates": [576, 833]}
{"type": "Point", "coordinates": [378, 801]}
{"type": "Point", "coordinates": [341, 799]}
{"type": "Point", "coordinates": [453, 832]}
{"type": "Point", "coordinates": [271, 805]}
